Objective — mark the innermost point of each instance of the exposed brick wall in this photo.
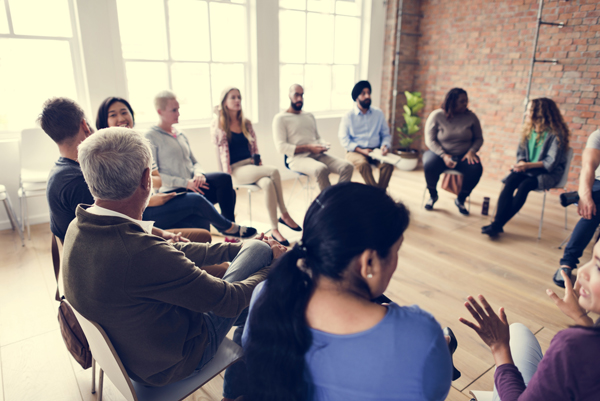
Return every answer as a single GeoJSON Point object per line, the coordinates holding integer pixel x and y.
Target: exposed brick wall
{"type": "Point", "coordinates": [484, 46]}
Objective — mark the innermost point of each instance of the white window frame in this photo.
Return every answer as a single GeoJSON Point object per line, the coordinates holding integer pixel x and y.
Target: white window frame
{"type": "Point", "coordinates": [360, 67]}
{"type": "Point", "coordinates": [249, 92]}
{"type": "Point", "coordinates": [74, 42]}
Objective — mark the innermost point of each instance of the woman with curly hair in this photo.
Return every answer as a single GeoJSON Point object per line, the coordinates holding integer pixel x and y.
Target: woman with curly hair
{"type": "Point", "coordinates": [541, 160]}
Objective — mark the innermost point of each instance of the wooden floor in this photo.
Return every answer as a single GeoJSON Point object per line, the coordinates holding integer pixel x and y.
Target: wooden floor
{"type": "Point", "coordinates": [443, 259]}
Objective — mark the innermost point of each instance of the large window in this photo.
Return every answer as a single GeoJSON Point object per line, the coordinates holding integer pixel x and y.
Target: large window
{"type": "Point", "coordinates": [319, 48]}
{"type": "Point", "coordinates": [37, 47]}
{"type": "Point", "coordinates": [194, 47]}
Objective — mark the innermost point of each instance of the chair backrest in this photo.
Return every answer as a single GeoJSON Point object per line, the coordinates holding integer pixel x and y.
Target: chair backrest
{"type": "Point", "coordinates": [38, 151]}
{"type": "Point", "coordinates": [563, 180]}
{"type": "Point", "coordinates": [105, 354]}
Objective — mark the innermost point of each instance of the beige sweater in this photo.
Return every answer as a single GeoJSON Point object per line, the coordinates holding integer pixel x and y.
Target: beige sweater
{"type": "Point", "coordinates": [455, 136]}
{"type": "Point", "coordinates": [291, 129]}
{"type": "Point", "coordinates": [149, 295]}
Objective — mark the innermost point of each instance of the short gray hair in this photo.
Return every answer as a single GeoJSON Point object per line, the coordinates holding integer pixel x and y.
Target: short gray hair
{"type": "Point", "coordinates": [113, 161]}
{"type": "Point", "coordinates": [162, 98]}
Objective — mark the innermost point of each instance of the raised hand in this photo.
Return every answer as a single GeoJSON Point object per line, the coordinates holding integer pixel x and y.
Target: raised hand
{"type": "Point", "coordinates": [492, 328]}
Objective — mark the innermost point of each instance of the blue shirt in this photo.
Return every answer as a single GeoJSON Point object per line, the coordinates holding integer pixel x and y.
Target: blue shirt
{"type": "Point", "coordinates": [403, 357]}
{"type": "Point", "coordinates": [368, 130]}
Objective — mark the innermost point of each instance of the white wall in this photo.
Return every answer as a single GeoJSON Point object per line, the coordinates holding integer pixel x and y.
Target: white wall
{"type": "Point", "coordinates": [105, 76]}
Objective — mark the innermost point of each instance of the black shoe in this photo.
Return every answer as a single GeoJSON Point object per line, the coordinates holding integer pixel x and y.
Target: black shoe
{"type": "Point", "coordinates": [461, 207]}
{"type": "Point", "coordinates": [490, 229]}
{"type": "Point", "coordinates": [283, 242]}
{"type": "Point", "coordinates": [431, 202]}
{"type": "Point", "coordinates": [452, 345]}
{"type": "Point", "coordinates": [291, 228]}
{"type": "Point", "coordinates": [558, 278]}
{"type": "Point", "coordinates": [242, 232]}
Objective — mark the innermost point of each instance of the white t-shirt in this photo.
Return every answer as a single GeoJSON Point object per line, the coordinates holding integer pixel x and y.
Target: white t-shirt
{"type": "Point", "coordinates": [594, 143]}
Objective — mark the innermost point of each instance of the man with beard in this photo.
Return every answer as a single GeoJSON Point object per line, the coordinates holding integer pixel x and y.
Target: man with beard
{"type": "Point", "coordinates": [295, 134]}
{"type": "Point", "coordinates": [363, 129]}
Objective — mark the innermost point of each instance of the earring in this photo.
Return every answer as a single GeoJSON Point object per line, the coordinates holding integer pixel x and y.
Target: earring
{"type": "Point", "coordinates": [370, 275]}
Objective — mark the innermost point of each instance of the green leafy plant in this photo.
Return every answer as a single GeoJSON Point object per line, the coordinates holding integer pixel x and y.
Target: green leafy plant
{"type": "Point", "coordinates": [408, 132]}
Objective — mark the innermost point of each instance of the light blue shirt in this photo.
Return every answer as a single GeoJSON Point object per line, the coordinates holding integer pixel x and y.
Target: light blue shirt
{"type": "Point", "coordinates": [368, 130]}
{"type": "Point", "coordinates": [404, 357]}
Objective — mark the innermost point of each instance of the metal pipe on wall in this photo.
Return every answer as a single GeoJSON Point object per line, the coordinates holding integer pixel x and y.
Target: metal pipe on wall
{"type": "Point", "coordinates": [396, 64]}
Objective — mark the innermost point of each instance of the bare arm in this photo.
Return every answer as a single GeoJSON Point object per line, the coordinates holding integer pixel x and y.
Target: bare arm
{"type": "Point", "coordinates": [589, 163]}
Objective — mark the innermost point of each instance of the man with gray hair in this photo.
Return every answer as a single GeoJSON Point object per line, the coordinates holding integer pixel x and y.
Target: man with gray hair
{"type": "Point", "coordinates": [165, 316]}
{"type": "Point", "coordinates": [296, 136]}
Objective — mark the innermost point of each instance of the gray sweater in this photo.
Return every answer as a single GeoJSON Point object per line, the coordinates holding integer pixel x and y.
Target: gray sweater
{"type": "Point", "coordinates": [455, 136]}
{"type": "Point", "coordinates": [174, 158]}
{"type": "Point", "coordinates": [148, 295]}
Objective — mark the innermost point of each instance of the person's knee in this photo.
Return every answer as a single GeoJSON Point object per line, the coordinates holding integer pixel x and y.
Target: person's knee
{"type": "Point", "coordinates": [261, 251]}
{"type": "Point", "coordinates": [349, 168]}
{"type": "Point", "coordinates": [321, 172]}
{"type": "Point", "coordinates": [518, 329]}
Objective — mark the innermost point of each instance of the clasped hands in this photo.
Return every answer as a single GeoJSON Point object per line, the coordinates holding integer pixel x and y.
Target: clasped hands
{"type": "Point", "coordinates": [276, 247]}
{"type": "Point", "coordinates": [197, 184]}
{"type": "Point", "coordinates": [471, 157]}
{"type": "Point", "coordinates": [367, 151]}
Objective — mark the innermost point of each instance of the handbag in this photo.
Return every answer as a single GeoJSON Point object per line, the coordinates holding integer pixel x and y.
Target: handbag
{"type": "Point", "coordinates": [70, 329]}
{"type": "Point", "coordinates": [452, 183]}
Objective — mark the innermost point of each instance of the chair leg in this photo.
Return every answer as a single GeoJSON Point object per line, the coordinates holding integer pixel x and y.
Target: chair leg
{"type": "Point", "coordinates": [14, 222]}
{"type": "Point", "coordinates": [250, 205]}
{"type": "Point", "coordinates": [93, 376]}
{"type": "Point", "coordinates": [100, 385]}
{"type": "Point", "coordinates": [423, 197]}
{"type": "Point", "coordinates": [542, 217]}
{"type": "Point", "coordinates": [566, 219]}
{"type": "Point", "coordinates": [565, 240]}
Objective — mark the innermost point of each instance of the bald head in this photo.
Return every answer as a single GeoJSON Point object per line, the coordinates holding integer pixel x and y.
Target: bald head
{"type": "Point", "coordinates": [296, 97]}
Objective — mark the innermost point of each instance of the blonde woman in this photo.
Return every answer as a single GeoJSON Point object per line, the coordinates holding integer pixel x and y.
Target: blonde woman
{"type": "Point", "coordinates": [239, 156]}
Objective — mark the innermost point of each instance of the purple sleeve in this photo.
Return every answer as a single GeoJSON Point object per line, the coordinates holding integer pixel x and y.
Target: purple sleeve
{"type": "Point", "coordinates": [554, 379]}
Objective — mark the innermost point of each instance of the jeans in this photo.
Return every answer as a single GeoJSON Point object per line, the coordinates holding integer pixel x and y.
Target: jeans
{"type": "Point", "coordinates": [254, 256]}
{"type": "Point", "coordinates": [526, 352]}
{"type": "Point", "coordinates": [582, 233]}
{"type": "Point", "coordinates": [434, 166]}
{"type": "Point", "coordinates": [510, 203]}
{"type": "Point", "coordinates": [191, 210]}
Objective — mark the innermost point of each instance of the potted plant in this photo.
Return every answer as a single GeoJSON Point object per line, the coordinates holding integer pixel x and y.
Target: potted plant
{"type": "Point", "coordinates": [409, 131]}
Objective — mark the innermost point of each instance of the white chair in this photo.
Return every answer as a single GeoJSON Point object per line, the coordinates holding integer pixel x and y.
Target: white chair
{"type": "Point", "coordinates": [11, 213]}
{"type": "Point", "coordinates": [300, 177]}
{"type": "Point", "coordinates": [34, 148]}
{"type": "Point", "coordinates": [561, 185]}
{"type": "Point", "coordinates": [106, 356]}
{"type": "Point", "coordinates": [250, 188]}
{"type": "Point", "coordinates": [449, 172]}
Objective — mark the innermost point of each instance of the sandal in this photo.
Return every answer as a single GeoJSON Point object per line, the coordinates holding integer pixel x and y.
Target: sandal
{"type": "Point", "coordinates": [287, 225]}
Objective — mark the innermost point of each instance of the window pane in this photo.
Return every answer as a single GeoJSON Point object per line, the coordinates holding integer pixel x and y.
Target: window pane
{"type": "Point", "coordinates": [41, 17]}
{"type": "Point", "coordinates": [324, 6]}
{"type": "Point", "coordinates": [191, 83]}
{"type": "Point", "coordinates": [144, 81]}
{"type": "Point", "coordinates": [189, 19]}
{"type": "Point", "coordinates": [288, 75]}
{"type": "Point", "coordinates": [292, 36]}
{"type": "Point", "coordinates": [317, 88]}
{"type": "Point", "coordinates": [28, 84]}
{"type": "Point", "coordinates": [347, 40]}
{"type": "Point", "coordinates": [226, 75]}
{"type": "Point", "coordinates": [3, 19]}
{"type": "Point", "coordinates": [293, 4]}
{"type": "Point", "coordinates": [143, 31]}
{"type": "Point", "coordinates": [344, 79]}
{"type": "Point", "coordinates": [228, 32]}
{"type": "Point", "coordinates": [348, 7]}
{"type": "Point", "coordinates": [319, 47]}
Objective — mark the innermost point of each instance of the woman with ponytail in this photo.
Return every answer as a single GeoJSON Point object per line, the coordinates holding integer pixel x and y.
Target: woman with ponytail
{"type": "Point", "coordinates": [315, 332]}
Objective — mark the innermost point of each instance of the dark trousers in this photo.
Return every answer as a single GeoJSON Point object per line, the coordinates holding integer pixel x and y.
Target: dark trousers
{"type": "Point", "coordinates": [221, 191]}
{"type": "Point", "coordinates": [434, 166]}
{"type": "Point", "coordinates": [582, 233]}
{"type": "Point", "coordinates": [509, 202]}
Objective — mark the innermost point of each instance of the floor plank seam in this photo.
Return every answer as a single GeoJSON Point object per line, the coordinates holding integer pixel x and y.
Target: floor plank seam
{"type": "Point", "coordinates": [29, 338]}
{"type": "Point", "coordinates": [477, 378]}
